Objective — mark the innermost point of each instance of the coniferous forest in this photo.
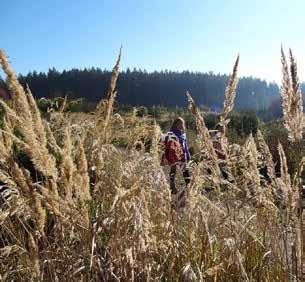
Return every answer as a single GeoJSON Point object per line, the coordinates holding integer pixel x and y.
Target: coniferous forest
{"type": "Point", "coordinates": [166, 88]}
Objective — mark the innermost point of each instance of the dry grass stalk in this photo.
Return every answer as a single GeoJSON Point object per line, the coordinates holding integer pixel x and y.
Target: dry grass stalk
{"type": "Point", "coordinates": [33, 254]}
{"type": "Point", "coordinates": [154, 150]}
{"type": "Point", "coordinates": [110, 97]}
{"type": "Point", "coordinates": [82, 168]}
{"type": "Point", "coordinates": [20, 102]}
{"type": "Point", "coordinates": [67, 169]}
{"type": "Point", "coordinates": [228, 104]}
{"type": "Point", "coordinates": [58, 118]}
{"type": "Point", "coordinates": [82, 182]}
{"type": "Point", "coordinates": [297, 216]}
{"type": "Point", "coordinates": [293, 121]}
{"type": "Point", "coordinates": [285, 176]}
{"type": "Point", "coordinates": [252, 171]}
{"type": "Point", "coordinates": [26, 122]}
{"type": "Point", "coordinates": [207, 148]}
{"type": "Point", "coordinates": [292, 99]}
{"type": "Point", "coordinates": [63, 105]}
{"type": "Point", "coordinates": [230, 92]}
{"type": "Point", "coordinates": [264, 149]}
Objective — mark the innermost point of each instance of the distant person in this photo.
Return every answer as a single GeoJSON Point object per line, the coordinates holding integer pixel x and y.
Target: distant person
{"type": "Point", "coordinates": [176, 153]}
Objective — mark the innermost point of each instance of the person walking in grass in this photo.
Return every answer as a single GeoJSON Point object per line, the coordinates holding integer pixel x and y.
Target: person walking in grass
{"type": "Point", "coordinates": [176, 153]}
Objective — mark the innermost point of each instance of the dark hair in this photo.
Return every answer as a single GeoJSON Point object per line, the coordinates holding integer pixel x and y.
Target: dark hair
{"type": "Point", "coordinates": [179, 119]}
{"type": "Point", "coordinates": [219, 127]}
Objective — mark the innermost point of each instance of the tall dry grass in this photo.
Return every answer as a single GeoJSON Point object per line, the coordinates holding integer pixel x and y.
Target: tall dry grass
{"type": "Point", "coordinates": [88, 210]}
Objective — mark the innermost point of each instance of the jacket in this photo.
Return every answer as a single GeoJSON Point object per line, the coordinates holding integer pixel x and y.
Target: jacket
{"type": "Point", "coordinates": [175, 148]}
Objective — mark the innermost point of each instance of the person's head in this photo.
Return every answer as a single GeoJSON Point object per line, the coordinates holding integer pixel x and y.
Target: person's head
{"type": "Point", "coordinates": [178, 125]}
{"type": "Point", "coordinates": [220, 128]}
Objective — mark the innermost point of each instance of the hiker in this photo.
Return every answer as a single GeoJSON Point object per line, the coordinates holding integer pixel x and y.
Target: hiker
{"type": "Point", "coordinates": [176, 153]}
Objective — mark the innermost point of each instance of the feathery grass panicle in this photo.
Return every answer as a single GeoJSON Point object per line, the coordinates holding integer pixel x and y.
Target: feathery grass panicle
{"type": "Point", "coordinates": [33, 255]}
{"type": "Point", "coordinates": [40, 133]}
{"type": "Point", "coordinates": [206, 142]}
{"type": "Point", "coordinates": [114, 77]}
{"type": "Point", "coordinates": [82, 168]}
{"type": "Point", "coordinates": [286, 86]}
{"type": "Point", "coordinates": [139, 134]}
{"type": "Point", "coordinates": [154, 150]}
{"type": "Point", "coordinates": [67, 168]}
{"type": "Point", "coordinates": [58, 118]}
{"type": "Point", "coordinates": [19, 177]}
{"type": "Point", "coordinates": [252, 168]}
{"type": "Point", "coordinates": [230, 92]}
{"type": "Point", "coordinates": [6, 140]}
{"type": "Point", "coordinates": [20, 103]}
{"type": "Point", "coordinates": [296, 101]}
{"type": "Point", "coordinates": [40, 213]}
{"type": "Point", "coordinates": [294, 77]}
{"type": "Point", "coordinates": [285, 176]}
{"type": "Point", "coordinates": [291, 99]}
{"type": "Point", "coordinates": [293, 121]}
{"type": "Point", "coordinates": [51, 140]}
{"type": "Point", "coordinates": [63, 105]}
{"type": "Point", "coordinates": [27, 123]}
{"type": "Point", "coordinates": [297, 216]}
{"type": "Point", "coordinates": [228, 104]}
{"type": "Point", "coordinates": [268, 161]}
{"type": "Point", "coordinates": [110, 98]}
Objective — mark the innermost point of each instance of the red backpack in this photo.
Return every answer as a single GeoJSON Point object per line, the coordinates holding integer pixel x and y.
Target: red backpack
{"type": "Point", "coordinates": [173, 152]}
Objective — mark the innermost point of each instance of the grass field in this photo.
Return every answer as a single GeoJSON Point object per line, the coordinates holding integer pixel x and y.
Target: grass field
{"type": "Point", "coordinates": [84, 197]}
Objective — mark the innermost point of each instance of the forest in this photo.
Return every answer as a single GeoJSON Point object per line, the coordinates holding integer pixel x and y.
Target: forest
{"type": "Point", "coordinates": [163, 88]}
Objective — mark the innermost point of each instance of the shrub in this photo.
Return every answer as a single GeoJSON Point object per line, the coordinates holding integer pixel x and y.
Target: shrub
{"type": "Point", "coordinates": [142, 111]}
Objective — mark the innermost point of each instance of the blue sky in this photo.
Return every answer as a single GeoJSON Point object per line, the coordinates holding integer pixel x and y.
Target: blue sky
{"type": "Point", "coordinates": [156, 34]}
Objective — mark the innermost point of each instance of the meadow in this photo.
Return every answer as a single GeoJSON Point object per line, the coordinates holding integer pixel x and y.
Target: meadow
{"type": "Point", "coordinates": [78, 205]}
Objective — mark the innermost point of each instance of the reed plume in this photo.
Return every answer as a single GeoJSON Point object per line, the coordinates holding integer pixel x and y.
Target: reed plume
{"type": "Point", "coordinates": [230, 92]}
{"type": "Point", "coordinates": [110, 98]}
{"type": "Point", "coordinates": [268, 160]}
{"type": "Point", "coordinates": [26, 119]}
{"type": "Point", "coordinates": [291, 99]}
{"type": "Point", "coordinates": [207, 149]}
{"type": "Point", "coordinates": [154, 150]}
{"type": "Point", "coordinates": [285, 176]}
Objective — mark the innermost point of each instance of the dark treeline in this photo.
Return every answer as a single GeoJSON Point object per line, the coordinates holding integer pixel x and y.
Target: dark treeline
{"type": "Point", "coordinates": [164, 88]}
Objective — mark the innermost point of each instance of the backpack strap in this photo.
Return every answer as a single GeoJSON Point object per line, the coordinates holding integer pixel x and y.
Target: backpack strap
{"type": "Point", "coordinates": [171, 136]}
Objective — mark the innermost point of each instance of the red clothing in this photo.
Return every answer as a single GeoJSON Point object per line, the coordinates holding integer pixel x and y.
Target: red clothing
{"type": "Point", "coordinates": [173, 150]}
